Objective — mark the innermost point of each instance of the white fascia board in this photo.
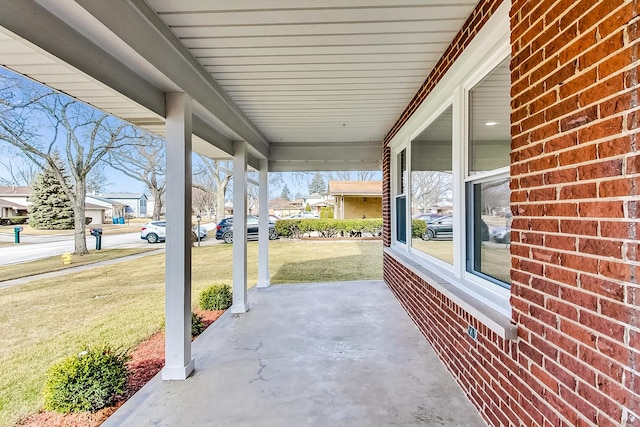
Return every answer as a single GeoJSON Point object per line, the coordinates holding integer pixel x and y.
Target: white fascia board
{"type": "Point", "coordinates": [141, 29]}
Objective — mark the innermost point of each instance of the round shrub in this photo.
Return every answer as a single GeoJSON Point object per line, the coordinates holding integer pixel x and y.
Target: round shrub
{"type": "Point", "coordinates": [197, 324]}
{"type": "Point", "coordinates": [418, 228]}
{"type": "Point", "coordinates": [216, 297]}
{"type": "Point", "coordinates": [87, 382]}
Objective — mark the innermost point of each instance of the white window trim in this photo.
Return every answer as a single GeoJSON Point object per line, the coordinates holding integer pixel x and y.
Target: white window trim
{"type": "Point", "coordinates": [484, 53]}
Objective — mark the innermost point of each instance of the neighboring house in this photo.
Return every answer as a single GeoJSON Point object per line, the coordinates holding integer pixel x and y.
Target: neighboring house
{"type": "Point", "coordinates": [136, 203]}
{"type": "Point", "coordinates": [112, 208]}
{"type": "Point", "coordinates": [15, 199]}
{"type": "Point", "coordinates": [315, 201]}
{"type": "Point", "coordinates": [283, 208]}
{"type": "Point", "coordinates": [356, 199]}
{"type": "Point", "coordinates": [9, 209]}
{"type": "Point", "coordinates": [95, 212]}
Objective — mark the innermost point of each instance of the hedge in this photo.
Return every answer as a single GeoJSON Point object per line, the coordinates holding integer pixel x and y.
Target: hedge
{"type": "Point", "coordinates": [327, 227]}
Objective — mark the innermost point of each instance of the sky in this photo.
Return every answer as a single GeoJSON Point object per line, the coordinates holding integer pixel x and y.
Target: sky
{"type": "Point", "coordinates": [116, 181]}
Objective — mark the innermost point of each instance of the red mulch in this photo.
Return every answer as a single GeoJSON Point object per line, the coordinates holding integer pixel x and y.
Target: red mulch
{"type": "Point", "coordinates": [147, 359]}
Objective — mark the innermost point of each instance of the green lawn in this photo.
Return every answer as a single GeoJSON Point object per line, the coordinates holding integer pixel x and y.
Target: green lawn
{"type": "Point", "coordinates": [54, 263]}
{"type": "Point", "coordinates": [47, 320]}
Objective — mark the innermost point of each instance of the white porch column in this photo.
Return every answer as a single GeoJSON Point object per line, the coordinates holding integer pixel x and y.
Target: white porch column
{"type": "Point", "coordinates": [264, 278]}
{"type": "Point", "coordinates": [240, 228]}
{"type": "Point", "coordinates": [178, 362]}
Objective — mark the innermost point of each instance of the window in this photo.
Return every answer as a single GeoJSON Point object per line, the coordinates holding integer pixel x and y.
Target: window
{"type": "Point", "coordinates": [432, 188]}
{"type": "Point", "coordinates": [487, 193]}
{"type": "Point", "coordinates": [401, 197]}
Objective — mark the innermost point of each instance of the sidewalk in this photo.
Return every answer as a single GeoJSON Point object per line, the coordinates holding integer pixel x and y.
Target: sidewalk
{"type": "Point", "coordinates": [23, 280]}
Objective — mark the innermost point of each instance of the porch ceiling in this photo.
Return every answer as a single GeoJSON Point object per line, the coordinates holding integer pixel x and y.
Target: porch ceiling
{"type": "Point", "coordinates": [309, 85]}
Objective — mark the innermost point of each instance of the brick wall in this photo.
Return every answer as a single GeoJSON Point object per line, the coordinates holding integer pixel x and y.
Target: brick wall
{"type": "Point", "coordinates": [575, 176]}
{"type": "Point", "coordinates": [359, 207]}
{"type": "Point", "coordinates": [574, 195]}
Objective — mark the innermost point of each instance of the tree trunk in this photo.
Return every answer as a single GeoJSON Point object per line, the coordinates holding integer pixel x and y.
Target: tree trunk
{"type": "Point", "coordinates": [157, 205]}
{"type": "Point", "coordinates": [80, 238]}
{"type": "Point", "coordinates": [220, 202]}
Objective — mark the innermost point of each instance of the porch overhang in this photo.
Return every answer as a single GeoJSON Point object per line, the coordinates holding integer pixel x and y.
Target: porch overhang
{"type": "Point", "coordinates": [307, 88]}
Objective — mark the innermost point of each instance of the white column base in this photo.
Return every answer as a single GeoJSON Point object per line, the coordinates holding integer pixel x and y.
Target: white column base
{"type": "Point", "coordinates": [239, 308]}
{"type": "Point", "coordinates": [263, 284]}
{"type": "Point", "coordinates": [178, 373]}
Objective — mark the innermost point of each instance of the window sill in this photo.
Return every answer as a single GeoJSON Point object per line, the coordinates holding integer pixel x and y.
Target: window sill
{"type": "Point", "coordinates": [494, 320]}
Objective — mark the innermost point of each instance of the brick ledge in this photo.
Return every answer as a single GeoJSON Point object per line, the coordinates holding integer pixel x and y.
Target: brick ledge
{"type": "Point", "coordinates": [494, 320]}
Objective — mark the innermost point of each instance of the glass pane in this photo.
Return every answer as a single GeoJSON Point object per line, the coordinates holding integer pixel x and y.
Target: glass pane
{"type": "Point", "coordinates": [490, 125]}
{"type": "Point", "coordinates": [402, 172]}
{"type": "Point", "coordinates": [432, 189]}
{"type": "Point", "coordinates": [401, 219]}
{"type": "Point", "coordinates": [491, 230]}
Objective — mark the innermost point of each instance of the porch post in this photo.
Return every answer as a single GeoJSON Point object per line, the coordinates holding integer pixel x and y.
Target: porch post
{"type": "Point", "coordinates": [240, 228]}
{"type": "Point", "coordinates": [264, 278]}
{"type": "Point", "coordinates": [178, 361]}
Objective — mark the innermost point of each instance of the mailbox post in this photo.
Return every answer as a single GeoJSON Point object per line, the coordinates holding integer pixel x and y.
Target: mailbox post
{"type": "Point", "coordinates": [16, 234]}
{"type": "Point", "coordinates": [97, 233]}
{"type": "Point", "coordinates": [198, 218]}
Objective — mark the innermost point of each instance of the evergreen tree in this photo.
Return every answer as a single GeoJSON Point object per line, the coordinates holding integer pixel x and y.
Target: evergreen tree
{"type": "Point", "coordinates": [317, 185]}
{"type": "Point", "coordinates": [285, 193]}
{"type": "Point", "coordinates": [50, 207]}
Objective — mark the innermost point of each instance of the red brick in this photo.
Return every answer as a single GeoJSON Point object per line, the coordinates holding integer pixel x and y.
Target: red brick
{"type": "Point", "coordinates": [601, 209]}
{"type": "Point", "coordinates": [580, 154]}
{"type": "Point", "coordinates": [561, 176]}
{"type": "Point", "coordinates": [560, 209]}
{"type": "Point", "coordinates": [580, 119]}
{"type": "Point", "coordinates": [601, 247]}
{"type": "Point", "coordinates": [602, 324]}
{"type": "Point", "coordinates": [580, 227]}
{"type": "Point", "coordinates": [601, 130]}
{"type": "Point", "coordinates": [560, 242]}
{"type": "Point", "coordinates": [615, 147]}
{"type": "Point", "coordinates": [616, 270]}
{"type": "Point", "coordinates": [579, 191]}
{"type": "Point", "coordinates": [619, 230]}
{"type": "Point", "coordinates": [578, 332]}
{"type": "Point", "coordinates": [562, 309]}
{"type": "Point", "coordinates": [542, 194]}
{"type": "Point", "coordinates": [605, 288]}
{"type": "Point", "coordinates": [579, 262]}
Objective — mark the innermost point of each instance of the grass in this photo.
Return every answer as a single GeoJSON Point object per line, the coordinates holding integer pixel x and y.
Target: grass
{"type": "Point", "coordinates": [54, 263]}
{"type": "Point", "coordinates": [47, 320]}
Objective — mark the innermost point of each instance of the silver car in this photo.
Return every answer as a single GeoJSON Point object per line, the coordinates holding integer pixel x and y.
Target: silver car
{"type": "Point", "coordinates": [156, 231]}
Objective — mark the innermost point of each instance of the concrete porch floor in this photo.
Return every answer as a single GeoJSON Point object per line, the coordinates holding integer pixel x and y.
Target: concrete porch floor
{"type": "Point", "coordinates": [325, 354]}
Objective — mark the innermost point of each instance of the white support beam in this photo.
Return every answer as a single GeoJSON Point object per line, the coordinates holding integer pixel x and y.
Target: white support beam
{"type": "Point", "coordinates": [178, 361]}
{"type": "Point", "coordinates": [240, 304]}
{"type": "Point", "coordinates": [264, 278]}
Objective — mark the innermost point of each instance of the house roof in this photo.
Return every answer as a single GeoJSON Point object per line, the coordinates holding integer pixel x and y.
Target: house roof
{"type": "Point", "coordinates": [355, 188]}
{"type": "Point", "coordinates": [15, 191]}
{"type": "Point", "coordinates": [133, 196]}
{"type": "Point", "coordinates": [104, 200]}
{"type": "Point", "coordinates": [92, 206]}
{"type": "Point", "coordinates": [280, 203]}
{"type": "Point", "coordinates": [11, 204]}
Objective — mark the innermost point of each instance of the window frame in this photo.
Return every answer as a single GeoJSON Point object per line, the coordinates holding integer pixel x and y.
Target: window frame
{"type": "Point", "coordinates": [453, 90]}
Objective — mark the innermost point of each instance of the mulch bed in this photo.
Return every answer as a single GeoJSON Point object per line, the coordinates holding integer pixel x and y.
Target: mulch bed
{"type": "Point", "coordinates": [147, 359]}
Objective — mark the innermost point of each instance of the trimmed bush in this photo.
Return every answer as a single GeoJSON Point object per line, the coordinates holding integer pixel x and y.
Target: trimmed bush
{"type": "Point", "coordinates": [197, 324]}
{"type": "Point", "coordinates": [297, 228]}
{"type": "Point", "coordinates": [87, 382]}
{"type": "Point", "coordinates": [418, 227]}
{"type": "Point", "coordinates": [216, 297]}
{"type": "Point", "coordinates": [18, 220]}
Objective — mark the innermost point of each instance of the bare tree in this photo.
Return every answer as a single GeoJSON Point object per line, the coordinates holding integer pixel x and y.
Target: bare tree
{"type": "Point", "coordinates": [146, 162]}
{"type": "Point", "coordinates": [430, 187]}
{"type": "Point", "coordinates": [19, 170]}
{"type": "Point", "coordinates": [97, 180]}
{"type": "Point", "coordinates": [38, 121]}
{"type": "Point", "coordinates": [213, 177]}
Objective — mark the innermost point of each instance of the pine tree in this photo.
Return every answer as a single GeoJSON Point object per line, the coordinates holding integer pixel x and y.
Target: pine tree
{"type": "Point", "coordinates": [285, 193]}
{"type": "Point", "coordinates": [50, 207]}
{"type": "Point", "coordinates": [317, 185]}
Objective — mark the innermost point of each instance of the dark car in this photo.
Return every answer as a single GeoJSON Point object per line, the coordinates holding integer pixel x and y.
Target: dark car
{"type": "Point", "coordinates": [442, 228]}
{"type": "Point", "coordinates": [224, 229]}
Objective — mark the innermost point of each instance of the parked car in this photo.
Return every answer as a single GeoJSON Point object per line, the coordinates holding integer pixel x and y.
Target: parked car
{"type": "Point", "coordinates": [156, 231]}
{"type": "Point", "coordinates": [428, 217]}
{"type": "Point", "coordinates": [224, 229]}
{"type": "Point", "coordinates": [304, 215]}
{"type": "Point", "coordinates": [442, 228]}
{"type": "Point", "coordinates": [500, 234]}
